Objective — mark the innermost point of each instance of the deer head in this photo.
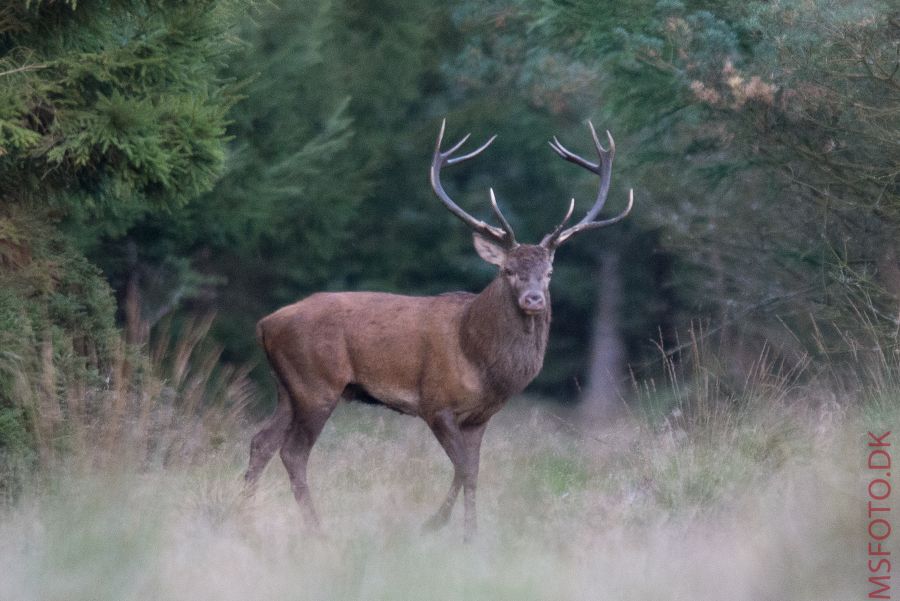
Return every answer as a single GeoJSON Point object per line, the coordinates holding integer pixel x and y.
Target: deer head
{"type": "Point", "coordinates": [526, 268]}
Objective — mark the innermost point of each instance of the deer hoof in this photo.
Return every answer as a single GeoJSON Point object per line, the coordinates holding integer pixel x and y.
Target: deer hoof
{"type": "Point", "coordinates": [435, 522]}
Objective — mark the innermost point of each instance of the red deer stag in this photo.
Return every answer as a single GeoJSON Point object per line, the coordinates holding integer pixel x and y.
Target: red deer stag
{"type": "Point", "coordinates": [452, 360]}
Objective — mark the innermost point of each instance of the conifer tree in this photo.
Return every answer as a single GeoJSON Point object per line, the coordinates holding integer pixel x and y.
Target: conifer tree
{"type": "Point", "coordinates": [110, 110]}
{"type": "Point", "coordinates": [769, 144]}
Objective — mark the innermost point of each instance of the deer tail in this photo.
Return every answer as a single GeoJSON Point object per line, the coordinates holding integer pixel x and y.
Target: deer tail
{"type": "Point", "coordinates": [260, 335]}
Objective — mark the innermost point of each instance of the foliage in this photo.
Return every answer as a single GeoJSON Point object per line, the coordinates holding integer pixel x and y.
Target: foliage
{"type": "Point", "coordinates": [171, 405]}
{"type": "Point", "coordinates": [110, 110]}
{"type": "Point", "coordinates": [324, 185]}
{"type": "Point", "coordinates": [768, 136]}
{"type": "Point", "coordinates": [56, 330]}
{"type": "Point", "coordinates": [546, 93]}
{"type": "Point", "coordinates": [309, 134]}
{"type": "Point", "coordinates": [728, 118]}
{"type": "Point", "coordinates": [326, 188]}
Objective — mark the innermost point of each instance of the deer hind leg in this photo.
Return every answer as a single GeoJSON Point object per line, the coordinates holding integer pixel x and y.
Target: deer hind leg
{"type": "Point", "coordinates": [268, 440]}
{"type": "Point", "coordinates": [301, 436]}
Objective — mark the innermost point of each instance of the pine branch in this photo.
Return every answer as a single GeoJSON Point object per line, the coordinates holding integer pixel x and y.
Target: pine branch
{"type": "Point", "coordinates": [23, 69]}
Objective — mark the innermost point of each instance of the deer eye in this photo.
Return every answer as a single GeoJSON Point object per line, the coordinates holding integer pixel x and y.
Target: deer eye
{"type": "Point", "coordinates": [507, 271]}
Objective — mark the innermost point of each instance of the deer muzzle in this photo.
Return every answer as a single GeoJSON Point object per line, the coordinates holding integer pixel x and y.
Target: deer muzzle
{"type": "Point", "coordinates": [532, 302]}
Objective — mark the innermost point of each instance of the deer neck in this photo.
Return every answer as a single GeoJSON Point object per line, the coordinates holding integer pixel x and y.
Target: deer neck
{"type": "Point", "coordinates": [506, 343]}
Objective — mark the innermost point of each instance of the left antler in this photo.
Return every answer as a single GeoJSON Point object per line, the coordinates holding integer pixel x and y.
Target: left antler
{"type": "Point", "coordinates": [604, 169]}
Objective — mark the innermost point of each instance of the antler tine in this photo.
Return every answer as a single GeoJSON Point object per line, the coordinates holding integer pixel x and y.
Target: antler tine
{"type": "Point", "coordinates": [606, 159]}
{"type": "Point", "coordinates": [570, 156]}
{"type": "Point", "coordinates": [502, 236]}
{"type": "Point", "coordinates": [440, 138]}
{"type": "Point", "coordinates": [603, 168]}
{"type": "Point", "coordinates": [582, 227]}
{"type": "Point", "coordinates": [506, 226]}
{"type": "Point", "coordinates": [550, 239]}
{"type": "Point", "coordinates": [597, 145]}
{"type": "Point", "coordinates": [474, 153]}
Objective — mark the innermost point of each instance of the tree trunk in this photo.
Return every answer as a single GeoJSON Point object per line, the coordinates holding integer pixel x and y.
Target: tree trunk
{"type": "Point", "coordinates": [603, 397]}
{"type": "Point", "coordinates": [136, 328]}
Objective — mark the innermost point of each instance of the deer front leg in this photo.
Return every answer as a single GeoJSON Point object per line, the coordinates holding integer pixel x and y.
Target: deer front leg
{"type": "Point", "coordinates": [442, 515]}
{"type": "Point", "coordinates": [471, 436]}
{"type": "Point", "coordinates": [447, 432]}
{"type": "Point", "coordinates": [463, 446]}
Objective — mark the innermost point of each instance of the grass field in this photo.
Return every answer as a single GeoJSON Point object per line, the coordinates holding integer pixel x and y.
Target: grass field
{"type": "Point", "coordinates": [767, 503]}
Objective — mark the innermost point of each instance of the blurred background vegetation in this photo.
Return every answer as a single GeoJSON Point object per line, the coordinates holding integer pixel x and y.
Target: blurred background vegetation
{"type": "Point", "coordinates": [161, 160]}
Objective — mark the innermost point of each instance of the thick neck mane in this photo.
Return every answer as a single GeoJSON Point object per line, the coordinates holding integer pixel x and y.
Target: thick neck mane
{"type": "Point", "coordinates": [508, 345]}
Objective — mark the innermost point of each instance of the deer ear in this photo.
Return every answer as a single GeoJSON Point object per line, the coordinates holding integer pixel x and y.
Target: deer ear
{"type": "Point", "coordinates": [489, 251]}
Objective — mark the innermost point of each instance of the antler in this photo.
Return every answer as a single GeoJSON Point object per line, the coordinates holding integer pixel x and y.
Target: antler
{"type": "Point", "coordinates": [503, 236]}
{"type": "Point", "coordinates": [604, 170]}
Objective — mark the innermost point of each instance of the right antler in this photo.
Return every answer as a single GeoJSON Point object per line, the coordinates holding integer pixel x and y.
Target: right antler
{"type": "Point", "coordinates": [503, 236]}
{"type": "Point", "coordinates": [604, 170]}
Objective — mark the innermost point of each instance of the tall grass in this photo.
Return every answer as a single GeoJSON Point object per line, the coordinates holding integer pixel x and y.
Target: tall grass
{"type": "Point", "coordinates": [164, 405]}
{"type": "Point", "coordinates": [719, 491]}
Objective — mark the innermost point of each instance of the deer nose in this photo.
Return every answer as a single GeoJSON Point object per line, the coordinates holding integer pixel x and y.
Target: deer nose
{"type": "Point", "coordinates": [532, 302]}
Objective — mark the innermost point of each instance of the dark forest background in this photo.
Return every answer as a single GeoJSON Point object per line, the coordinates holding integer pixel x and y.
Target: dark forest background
{"type": "Point", "coordinates": [163, 160]}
